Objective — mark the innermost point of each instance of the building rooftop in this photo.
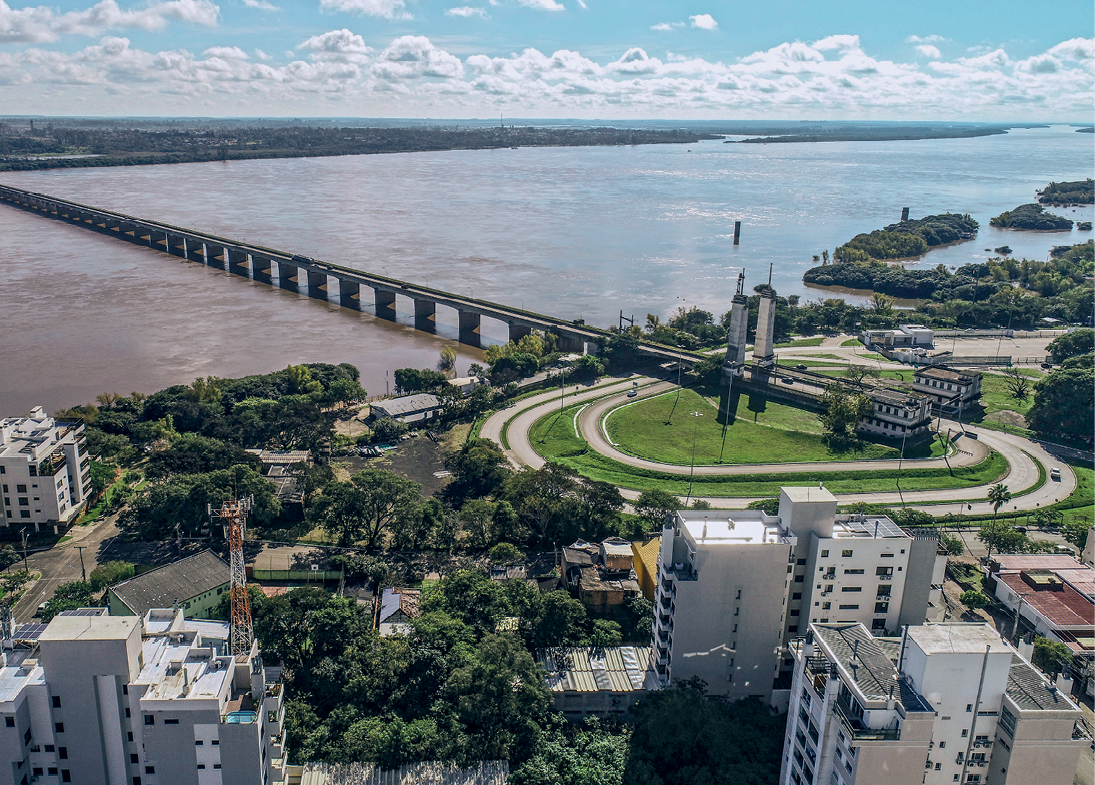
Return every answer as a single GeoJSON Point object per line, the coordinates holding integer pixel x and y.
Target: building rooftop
{"type": "Point", "coordinates": [89, 628]}
{"type": "Point", "coordinates": [1061, 604]}
{"type": "Point", "coordinates": [19, 668]}
{"type": "Point", "coordinates": [615, 546]}
{"type": "Point", "coordinates": [1032, 692]}
{"type": "Point", "coordinates": [408, 404]}
{"type": "Point", "coordinates": [394, 601]}
{"type": "Point", "coordinates": [176, 582]}
{"type": "Point", "coordinates": [615, 669]}
{"type": "Point", "coordinates": [807, 493]}
{"type": "Point", "coordinates": [726, 527]}
{"type": "Point", "coordinates": [868, 663]}
{"type": "Point", "coordinates": [956, 638]}
{"type": "Point", "coordinates": [947, 374]}
{"type": "Point", "coordinates": [30, 437]}
{"type": "Point", "coordinates": [870, 526]}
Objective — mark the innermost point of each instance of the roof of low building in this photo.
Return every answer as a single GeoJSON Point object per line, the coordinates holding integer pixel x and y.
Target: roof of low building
{"type": "Point", "coordinates": [948, 374]}
{"type": "Point", "coordinates": [867, 663]}
{"type": "Point", "coordinates": [613, 669]}
{"type": "Point", "coordinates": [593, 580]}
{"type": "Point", "coordinates": [615, 546]}
{"type": "Point", "coordinates": [408, 404]}
{"type": "Point", "coordinates": [647, 553]}
{"type": "Point", "coordinates": [175, 582]}
{"type": "Point", "coordinates": [394, 601]}
{"type": "Point", "coordinates": [1031, 692]}
{"type": "Point", "coordinates": [1061, 604]}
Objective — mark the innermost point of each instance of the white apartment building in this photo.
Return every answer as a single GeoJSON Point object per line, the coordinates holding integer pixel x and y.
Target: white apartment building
{"type": "Point", "coordinates": [137, 700]}
{"type": "Point", "coordinates": [722, 584]}
{"type": "Point", "coordinates": [45, 472]}
{"type": "Point", "coordinates": [944, 385]}
{"type": "Point", "coordinates": [945, 703]}
{"type": "Point", "coordinates": [726, 579]}
{"type": "Point", "coordinates": [898, 415]}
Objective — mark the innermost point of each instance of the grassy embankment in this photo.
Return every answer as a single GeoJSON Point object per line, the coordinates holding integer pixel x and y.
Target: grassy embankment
{"type": "Point", "coordinates": [554, 438]}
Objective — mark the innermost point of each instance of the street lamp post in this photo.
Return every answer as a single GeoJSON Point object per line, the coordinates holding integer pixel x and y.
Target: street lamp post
{"type": "Point", "coordinates": [25, 568]}
{"type": "Point", "coordinates": [692, 466]}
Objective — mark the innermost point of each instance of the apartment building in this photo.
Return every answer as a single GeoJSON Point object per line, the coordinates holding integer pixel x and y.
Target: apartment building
{"type": "Point", "coordinates": [898, 415]}
{"type": "Point", "coordinates": [945, 385]}
{"type": "Point", "coordinates": [137, 700]}
{"type": "Point", "coordinates": [45, 471]}
{"type": "Point", "coordinates": [722, 584]}
{"type": "Point", "coordinates": [734, 586]}
{"type": "Point", "coordinates": [945, 703]}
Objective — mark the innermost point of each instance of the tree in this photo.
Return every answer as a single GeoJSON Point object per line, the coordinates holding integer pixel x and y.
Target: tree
{"type": "Point", "coordinates": [592, 753]}
{"type": "Point", "coordinates": [709, 370]}
{"type": "Point", "coordinates": [1076, 533]}
{"type": "Point", "coordinates": [10, 585]}
{"type": "Point", "coordinates": [843, 411]}
{"type": "Point", "coordinates": [999, 495]}
{"type": "Point", "coordinates": [68, 597]}
{"type": "Point", "coordinates": [857, 373]}
{"type": "Point", "coordinates": [102, 476]}
{"type": "Point", "coordinates": [110, 573]}
{"type": "Point", "coordinates": [409, 380]}
{"type": "Point", "coordinates": [973, 599]}
{"type": "Point", "coordinates": [606, 633]}
{"type": "Point", "coordinates": [560, 622]}
{"type": "Point", "coordinates": [882, 303]}
{"type": "Point", "coordinates": [505, 553]}
{"type": "Point", "coordinates": [1071, 345]}
{"type": "Point", "coordinates": [1001, 537]}
{"type": "Point", "coordinates": [479, 468]}
{"type": "Point", "coordinates": [448, 358]}
{"type": "Point", "coordinates": [385, 498]}
{"type": "Point", "coordinates": [471, 597]}
{"type": "Point", "coordinates": [194, 454]}
{"type": "Point", "coordinates": [1064, 404]}
{"type": "Point", "coordinates": [655, 505]}
{"type": "Point", "coordinates": [340, 511]}
{"type": "Point", "coordinates": [1050, 656]}
{"type": "Point", "coordinates": [1017, 384]}
{"type": "Point", "coordinates": [951, 544]}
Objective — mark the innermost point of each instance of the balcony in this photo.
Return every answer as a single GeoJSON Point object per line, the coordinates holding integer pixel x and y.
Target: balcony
{"type": "Point", "coordinates": [858, 731]}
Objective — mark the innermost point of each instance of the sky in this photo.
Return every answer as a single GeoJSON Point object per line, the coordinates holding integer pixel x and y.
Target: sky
{"type": "Point", "coordinates": [966, 60]}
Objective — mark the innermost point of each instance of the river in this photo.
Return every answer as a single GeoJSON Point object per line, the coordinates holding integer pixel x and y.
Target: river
{"type": "Point", "coordinates": [575, 232]}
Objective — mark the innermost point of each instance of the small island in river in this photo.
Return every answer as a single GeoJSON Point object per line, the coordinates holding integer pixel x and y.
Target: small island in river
{"type": "Point", "coordinates": [1031, 218]}
{"type": "Point", "coordinates": [908, 239]}
{"type": "Point", "coordinates": [1078, 192]}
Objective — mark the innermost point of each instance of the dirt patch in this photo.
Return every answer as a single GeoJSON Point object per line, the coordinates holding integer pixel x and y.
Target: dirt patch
{"type": "Point", "coordinates": [1007, 417]}
{"type": "Point", "coordinates": [351, 423]}
{"type": "Point", "coordinates": [416, 459]}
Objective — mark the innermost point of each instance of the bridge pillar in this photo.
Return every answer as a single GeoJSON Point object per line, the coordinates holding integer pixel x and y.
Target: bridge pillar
{"type": "Point", "coordinates": [317, 285]}
{"type": "Point", "coordinates": [518, 331]}
{"type": "Point", "coordinates": [216, 256]}
{"type": "Point", "coordinates": [287, 276]}
{"type": "Point", "coordinates": [262, 269]}
{"type": "Point", "coordinates": [128, 231]}
{"type": "Point", "coordinates": [469, 328]}
{"type": "Point", "coordinates": [425, 315]}
{"type": "Point", "coordinates": [763, 350]}
{"type": "Point", "coordinates": [238, 263]}
{"type": "Point", "coordinates": [160, 241]}
{"type": "Point", "coordinates": [569, 344]}
{"type": "Point", "coordinates": [384, 302]}
{"type": "Point", "coordinates": [176, 245]}
{"type": "Point", "coordinates": [195, 250]}
{"type": "Point", "coordinates": [349, 294]}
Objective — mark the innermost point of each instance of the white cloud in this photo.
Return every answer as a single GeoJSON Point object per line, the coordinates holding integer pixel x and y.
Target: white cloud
{"type": "Point", "coordinates": [929, 51]}
{"type": "Point", "coordinates": [467, 11]}
{"type": "Point", "coordinates": [703, 21]}
{"type": "Point", "coordinates": [340, 74]}
{"type": "Point", "coordinates": [927, 39]}
{"type": "Point", "coordinates": [227, 53]}
{"type": "Point", "coordinates": [261, 5]}
{"type": "Point", "coordinates": [261, 55]}
{"type": "Point", "coordinates": [41, 24]}
{"type": "Point", "coordinates": [538, 5]}
{"type": "Point", "coordinates": [665, 26]}
{"type": "Point", "coordinates": [386, 9]}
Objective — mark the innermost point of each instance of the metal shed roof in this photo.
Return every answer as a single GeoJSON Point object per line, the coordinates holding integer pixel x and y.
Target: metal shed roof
{"type": "Point", "coordinates": [176, 582]}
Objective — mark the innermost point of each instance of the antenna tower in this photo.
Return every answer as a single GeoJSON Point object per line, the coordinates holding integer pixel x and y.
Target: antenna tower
{"type": "Point", "coordinates": [234, 515]}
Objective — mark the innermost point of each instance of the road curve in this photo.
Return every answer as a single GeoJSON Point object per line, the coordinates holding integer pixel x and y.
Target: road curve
{"type": "Point", "coordinates": [1023, 472]}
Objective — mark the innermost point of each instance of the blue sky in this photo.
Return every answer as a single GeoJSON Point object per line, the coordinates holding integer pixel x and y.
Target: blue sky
{"type": "Point", "coordinates": [551, 58]}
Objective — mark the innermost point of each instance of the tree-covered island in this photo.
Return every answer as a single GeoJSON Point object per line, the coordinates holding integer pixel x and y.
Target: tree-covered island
{"type": "Point", "coordinates": [908, 239]}
{"type": "Point", "coordinates": [1031, 218]}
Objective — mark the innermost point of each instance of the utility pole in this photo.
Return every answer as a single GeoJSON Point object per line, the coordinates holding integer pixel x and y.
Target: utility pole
{"type": "Point", "coordinates": [692, 466]}
{"type": "Point", "coordinates": [25, 568]}
{"type": "Point", "coordinates": [83, 572]}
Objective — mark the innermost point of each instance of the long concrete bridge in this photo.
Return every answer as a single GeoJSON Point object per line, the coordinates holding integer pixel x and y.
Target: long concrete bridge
{"type": "Point", "coordinates": [313, 277]}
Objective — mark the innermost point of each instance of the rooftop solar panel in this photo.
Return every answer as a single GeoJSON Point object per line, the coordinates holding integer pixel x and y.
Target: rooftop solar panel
{"type": "Point", "coordinates": [29, 632]}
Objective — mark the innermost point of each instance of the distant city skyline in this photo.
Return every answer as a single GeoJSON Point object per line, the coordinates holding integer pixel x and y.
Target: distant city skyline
{"type": "Point", "coordinates": [1003, 61]}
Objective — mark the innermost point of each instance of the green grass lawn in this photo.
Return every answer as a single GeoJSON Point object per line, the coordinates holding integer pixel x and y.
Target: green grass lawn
{"type": "Point", "coordinates": [793, 361]}
{"type": "Point", "coordinates": [852, 342]}
{"type": "Point", "coordinates": [996, 397]}
{"type": "Point", "coordinates": [761, 432]}
{"type": "Point", "coordinates": [553, 437]}
{"type": "Point", "coordinates": [815, 341]}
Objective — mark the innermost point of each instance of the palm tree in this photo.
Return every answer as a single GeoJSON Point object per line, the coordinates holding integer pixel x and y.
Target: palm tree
{"type": "Point", "coordinates": [999, 495]}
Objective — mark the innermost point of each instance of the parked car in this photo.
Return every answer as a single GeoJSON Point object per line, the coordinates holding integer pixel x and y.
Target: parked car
{"type": "Point", "coordinates": [787, 380]}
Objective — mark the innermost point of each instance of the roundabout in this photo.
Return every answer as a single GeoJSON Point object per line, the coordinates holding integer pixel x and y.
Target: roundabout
{"type": "Point", "coordinates": [578, 426]}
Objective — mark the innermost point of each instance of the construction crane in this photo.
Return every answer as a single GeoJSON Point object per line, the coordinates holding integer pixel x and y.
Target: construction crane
{"type": "Point", "coordinates": [234, 515]}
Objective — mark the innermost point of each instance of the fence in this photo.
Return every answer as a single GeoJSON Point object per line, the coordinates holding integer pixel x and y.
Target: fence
{"type": "Point", "coordinates": [429, 773]}
{"type": "Point", "coordinates": [997, 333]}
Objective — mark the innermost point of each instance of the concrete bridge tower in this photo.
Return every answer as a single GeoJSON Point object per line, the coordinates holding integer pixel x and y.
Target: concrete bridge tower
{"type": "Point", "coordinates": [737, 332]}
{"type": "Point", "coordinates": [763, 350]}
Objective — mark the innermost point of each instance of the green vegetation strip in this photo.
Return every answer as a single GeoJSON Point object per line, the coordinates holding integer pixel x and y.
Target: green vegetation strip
{"type": "Point", "coordinates": [553, 438]}
{"type": "Point", "coordinates": [815, 341]}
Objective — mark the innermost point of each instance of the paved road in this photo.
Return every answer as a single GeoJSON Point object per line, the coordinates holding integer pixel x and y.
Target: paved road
{"type": "Point", "coordinates": [61, 564]}
{"type": "Point", "coordinates": [1022, 475]}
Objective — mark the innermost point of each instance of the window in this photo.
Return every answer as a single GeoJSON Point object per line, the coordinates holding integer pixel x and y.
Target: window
{"type": "Point", "coordinates": [149, 769]}
{"type": "Point", "coordinates": [846, 554]}
{"type": "Point", "coordinates": [882, 607]}
{"type": "Point", "coordinates": [59, 727]}
{"type": "Point", "coordinates": [198, 743]}
{"type": "Point", "coordinates": [216, 765]}
{"type": "Point", "coordinates": [798, 578]}
{"type": "Point", "coordinates": [826, 606]}
{"type": "Point", "coordinates": [149, 719]}
{"type": "Point", "coordinates": [847, 589]}
{"type": "Point", "coordinates": [20, 489]}
{"type": "Point", "coordinates": [24, 501]}
{"type": "Point", "coordinates": [24, 513]}
{"type": "Point", "coordinates": [888, 555]}
{"type": "Point", "coordinates": [883, 571]}
{"type": "Point", "coordinates": [66, 775]}
{"type": "Point", "coordinates": [796, 596]}
{"type": "Point", "coordinates": [938, 766]}
{"type": "Point", "coordinates": [51, 771]}
{"type": "Point", "coordinates": [49, 748]}
{"type": "Point", "coordinates": [878, 624]}
{"type": "Point", "coordinates": [942, 745]}
{"type": "Point", "coordinates": [62, 753]}
{"type": "Point", "coordinates": [171, 722]}
{"type": "Point", "coordinates": [849, 607]}
{"type": "Point", "coordinates": [215, 742]}
{"type": "Point", "coordinates": [969, 707]}
{"type": "Point", "coordinates": [130, 735]}
{"type": "Point", "coordinates": [853, 572]}
{"type": "Point", "coordinates": [133, 758]}
{"type": "Point", "coordinates": [201, 765]}
{"type": "Point", "coordinates": [9, 722]}
{"type": "Point", "coordinates": [128, 713]}
{"type": "Point", "coordinates": [125, 689]}
{"type": "Point", "coordinates": [56, 702]}
{"type": "Point", "coordinates": [801, 562]}
{"type": "Point", "coordinates": [828, 587]}
{"type": "Point", "coordinates": [26, 737]}
{"type": "Point", "coordinates": [965, 733]}
{"type": "Point", "coordinates": [824, 554]}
